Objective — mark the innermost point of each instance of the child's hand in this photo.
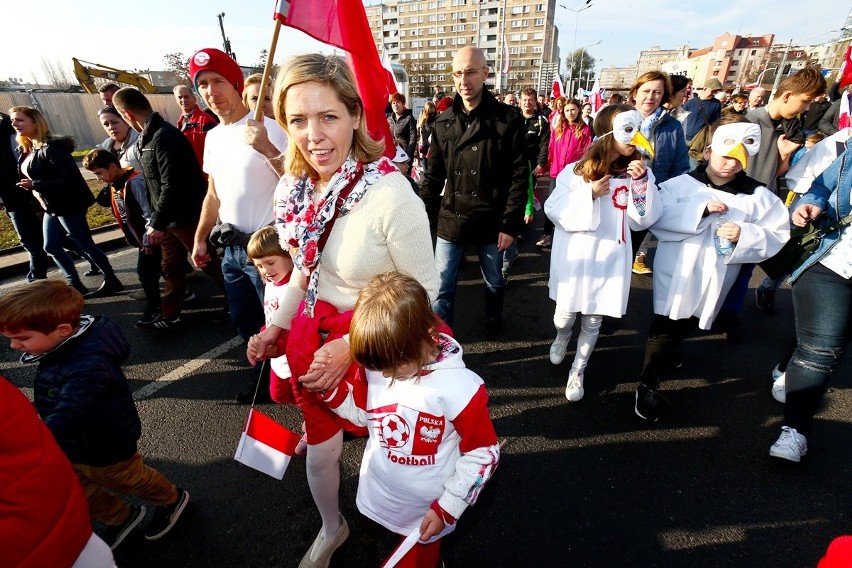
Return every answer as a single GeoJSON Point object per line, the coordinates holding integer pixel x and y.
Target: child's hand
{"type": "Point", "coordinates": [786, 147]}
{"type": "Point", "coordinates": [636, 169]}
{"type": "Point", "coordinates": [431, 525]}
{"type": "Point", "coordinates": [528, 219]}
{"type": "Point", "coordinates": [600, 187]}
{"type": "Point", "coordinates": [714, 206]}
{"type": "Point", "coordinates": [730, 231]}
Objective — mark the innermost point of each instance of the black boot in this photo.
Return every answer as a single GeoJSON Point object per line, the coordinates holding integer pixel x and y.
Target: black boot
{"type": "Point", "coordinates": [111, 286]}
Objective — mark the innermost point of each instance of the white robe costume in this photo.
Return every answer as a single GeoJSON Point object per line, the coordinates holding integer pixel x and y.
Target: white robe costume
{"type": "Point", "coordinates": [592, 254]}
{"type": "Point", "coordinates": [690, 278]}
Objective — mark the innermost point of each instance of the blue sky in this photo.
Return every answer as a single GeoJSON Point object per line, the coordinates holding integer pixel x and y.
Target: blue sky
{"type": "Point", "coordinates": [137, 37]}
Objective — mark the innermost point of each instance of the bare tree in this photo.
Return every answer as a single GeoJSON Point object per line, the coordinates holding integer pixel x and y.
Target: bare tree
{"type": "Point", "coordinates": [56, 74]}
{"type": "Point", "coordinates": [178, 63]}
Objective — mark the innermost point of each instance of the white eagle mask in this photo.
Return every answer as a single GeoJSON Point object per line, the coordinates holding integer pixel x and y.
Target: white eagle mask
{"type": "Point", "coordinates": [625, 129]}
{"type": "Point", "coordinates": [738, 140]}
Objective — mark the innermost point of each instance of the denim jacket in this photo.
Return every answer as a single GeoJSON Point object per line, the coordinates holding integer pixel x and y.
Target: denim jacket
{"type": "Point", "coordinates": [830, 192]}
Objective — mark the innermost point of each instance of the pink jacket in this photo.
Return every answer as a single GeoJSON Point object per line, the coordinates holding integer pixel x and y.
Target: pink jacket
{"type": "Point", "coordinates": [568, 149]}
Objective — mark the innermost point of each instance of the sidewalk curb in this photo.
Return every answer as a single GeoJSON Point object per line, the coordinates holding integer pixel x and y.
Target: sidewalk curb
{"type": "Point", "coordinates": [15, 261]}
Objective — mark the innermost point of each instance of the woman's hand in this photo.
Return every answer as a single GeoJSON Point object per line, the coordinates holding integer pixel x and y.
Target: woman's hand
{"type": "Point", "coordinates": [259, 344]}
{"type": "Point", "coordinates": [328, 367]}
{"type": "Point", "coordinates": [636, 169]}
{"type": "Point", "coordinates": [805, 214]}
{"type": "Point", "coordinates": [431, 525]}
{"type": "Point", "coordinates": [730, 231]}
{"type": "Point", "coordinates": [26, 184]}
{"type": "Point", "coordinates": [600, 187]}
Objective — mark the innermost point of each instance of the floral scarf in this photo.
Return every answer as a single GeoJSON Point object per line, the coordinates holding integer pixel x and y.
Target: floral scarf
{"type": "Point", "coordinates": [302, 223]}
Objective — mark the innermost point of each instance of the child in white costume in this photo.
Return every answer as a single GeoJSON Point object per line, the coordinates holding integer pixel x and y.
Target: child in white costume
{"type": "Point", "coordinates": [595, 204]}
{"type": "Point", "coordinates": [431, 444]}
{"type": "Point", "coordinates": [714, 219]}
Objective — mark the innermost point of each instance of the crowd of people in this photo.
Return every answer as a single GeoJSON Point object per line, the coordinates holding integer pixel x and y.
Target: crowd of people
{"type": "Point", "coordinates": [344, 279]}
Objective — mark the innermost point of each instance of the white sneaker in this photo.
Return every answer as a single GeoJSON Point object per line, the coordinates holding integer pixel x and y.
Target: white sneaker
{"type": "Point", "coordinates": [790, 445]}
{"type": "Point", "coordinates": [779, 388]}
{"type": "Point", "coordinates": [574, 389]}
{"type": "Point", "coordinates": [559, 347]}
{"type": "Point", "coordinates": [777, 373]}
{"type": "Point", "coordinates": [319, 555]}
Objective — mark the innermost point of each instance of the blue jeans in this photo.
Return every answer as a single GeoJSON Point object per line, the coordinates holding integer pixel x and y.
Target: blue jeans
{"type": "Point", "coordinates": [28, 225]}
{"type": "Point", "coordinates": [76, 226]}
{"type": "Point", "coordinates": [244, 289]}
{"type": "Point", "coordinates": [822, 330]}
{"type": "Point", "coordinates": [447, 260]}
{"type": "Point", "coordinates": [509, 256]}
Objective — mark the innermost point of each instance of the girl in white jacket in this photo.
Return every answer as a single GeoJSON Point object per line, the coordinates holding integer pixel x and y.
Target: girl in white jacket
{"type": "Point", "coordinates": [595, 205]}
{"type": "Point", "coordinates": [431, 444]}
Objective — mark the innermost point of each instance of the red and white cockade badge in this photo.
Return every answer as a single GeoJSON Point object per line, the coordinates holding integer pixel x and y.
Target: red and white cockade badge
{"type": "Point", "coordinates": [619, 199]}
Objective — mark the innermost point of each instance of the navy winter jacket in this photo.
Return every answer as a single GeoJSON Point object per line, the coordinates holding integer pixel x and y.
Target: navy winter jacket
{"type": "Point", "coordinates": [671, 156]}
{"type": "Point", "coordinates": [82, 395]}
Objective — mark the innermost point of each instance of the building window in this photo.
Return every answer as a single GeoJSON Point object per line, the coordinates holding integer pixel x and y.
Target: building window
{"type": "Point", "coordinates": [539, 21]}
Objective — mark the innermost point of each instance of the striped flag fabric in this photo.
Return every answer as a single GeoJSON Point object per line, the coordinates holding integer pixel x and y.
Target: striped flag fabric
{"type": "Point", "coordinates": [596, 98]}
{"type": "Point", "coordinates": [845, 74]}
{"type": "Point", "coordinates": [506, 63]}
{"type": "Point", "coordinates": [843, 119]}
{"type": "Point", "coordinates": [556, 89]}
{"type": "Point", "coordinates": [266, 445]}
{"type": "Point", "coordinates": [344, 24]}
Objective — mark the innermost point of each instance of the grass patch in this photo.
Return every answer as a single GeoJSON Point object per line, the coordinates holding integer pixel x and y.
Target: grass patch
{"type": "Point", "coordinates": [97, 216]}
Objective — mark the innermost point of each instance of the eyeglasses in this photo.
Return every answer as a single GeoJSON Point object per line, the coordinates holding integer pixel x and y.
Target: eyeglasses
{"type": "Point", "coordinates": [467, 73]}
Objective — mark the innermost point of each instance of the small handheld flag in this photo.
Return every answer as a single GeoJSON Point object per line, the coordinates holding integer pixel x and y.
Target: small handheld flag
{"type": "Point", "coordinates": [265, 445]}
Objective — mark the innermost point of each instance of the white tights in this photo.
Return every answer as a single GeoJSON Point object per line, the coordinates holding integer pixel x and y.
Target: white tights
{"type": "Point", "coordinates": [323, 470]}
{"type": "Point", "coordinates": [590, 326]}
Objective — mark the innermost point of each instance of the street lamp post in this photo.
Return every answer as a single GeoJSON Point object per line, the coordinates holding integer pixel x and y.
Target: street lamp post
{"type": "Point", "coordinates": [582, 53]}
{"type": "Point", "coordinates": [576, 11]}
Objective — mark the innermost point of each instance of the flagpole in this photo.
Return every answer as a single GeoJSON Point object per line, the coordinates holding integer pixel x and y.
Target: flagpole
{"type": "Point", "coordinates": [267, 71]}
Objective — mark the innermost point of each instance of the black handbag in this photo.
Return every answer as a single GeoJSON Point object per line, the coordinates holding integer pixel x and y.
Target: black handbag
{"type": "Point", "coordinates": [802, 244]}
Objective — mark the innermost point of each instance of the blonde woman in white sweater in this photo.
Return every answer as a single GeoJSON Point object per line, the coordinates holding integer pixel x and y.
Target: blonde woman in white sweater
{"type": "Point", "coordinates": [346, 214]}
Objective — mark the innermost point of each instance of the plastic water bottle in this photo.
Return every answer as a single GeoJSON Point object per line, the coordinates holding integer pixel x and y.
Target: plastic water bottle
{"type": "Point", "coordinates": [724, 246]}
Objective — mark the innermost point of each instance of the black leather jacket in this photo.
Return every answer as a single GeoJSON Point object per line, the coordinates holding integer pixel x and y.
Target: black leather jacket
{"type": "Point", "coordinates": [481, 156]}
{"type": "Point", "coordinates": [176, 184]}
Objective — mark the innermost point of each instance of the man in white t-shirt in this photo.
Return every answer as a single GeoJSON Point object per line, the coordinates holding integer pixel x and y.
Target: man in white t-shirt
{"type": "Point", "coordinates": [241, 162]}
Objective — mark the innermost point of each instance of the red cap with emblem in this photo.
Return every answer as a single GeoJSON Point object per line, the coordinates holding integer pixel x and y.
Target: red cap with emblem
{"type": "Point", "coordinates": [212, 59]}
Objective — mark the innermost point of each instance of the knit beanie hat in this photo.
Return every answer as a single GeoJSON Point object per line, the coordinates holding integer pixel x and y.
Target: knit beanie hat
{"type": "Point", "coordinates": [212, 59]}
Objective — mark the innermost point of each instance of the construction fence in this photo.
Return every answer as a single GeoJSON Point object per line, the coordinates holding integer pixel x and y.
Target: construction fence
{"type": "Point", "coordinates": [76, 114]}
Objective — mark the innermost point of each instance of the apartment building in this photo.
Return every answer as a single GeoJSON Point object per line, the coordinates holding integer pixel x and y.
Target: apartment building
{"type": "Point", "coordinates": [656, 58]}
{"type": "Point", "coordinates": [517, 36]}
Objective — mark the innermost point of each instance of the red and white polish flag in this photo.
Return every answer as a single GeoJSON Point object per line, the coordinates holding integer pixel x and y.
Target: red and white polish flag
{"type": "Point", "coordinates": [266, 445]}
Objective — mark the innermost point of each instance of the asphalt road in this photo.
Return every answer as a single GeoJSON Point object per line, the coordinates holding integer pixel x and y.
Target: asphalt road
{"type": "Point", "coordinates": [579, 484]}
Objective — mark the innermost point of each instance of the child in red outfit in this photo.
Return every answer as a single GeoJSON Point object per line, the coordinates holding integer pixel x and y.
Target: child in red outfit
{"type": "Point", "coordinates": [275, 267]}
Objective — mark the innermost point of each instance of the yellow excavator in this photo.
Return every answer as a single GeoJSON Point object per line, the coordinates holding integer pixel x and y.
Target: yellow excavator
{"type": "Point", "coordinates": [87, 73]}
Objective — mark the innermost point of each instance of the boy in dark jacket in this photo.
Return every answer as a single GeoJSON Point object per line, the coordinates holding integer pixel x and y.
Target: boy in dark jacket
{"type": "Point", "coordinates": [127, 196]}
{"type": "Point", "coordinates": [82, 395]}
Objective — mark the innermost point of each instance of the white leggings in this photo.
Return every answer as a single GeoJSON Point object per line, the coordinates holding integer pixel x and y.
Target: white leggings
{"type": "Point", "coordinates": [323, 469]}
{"type": "Point", "coordinates": [590, 326]}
